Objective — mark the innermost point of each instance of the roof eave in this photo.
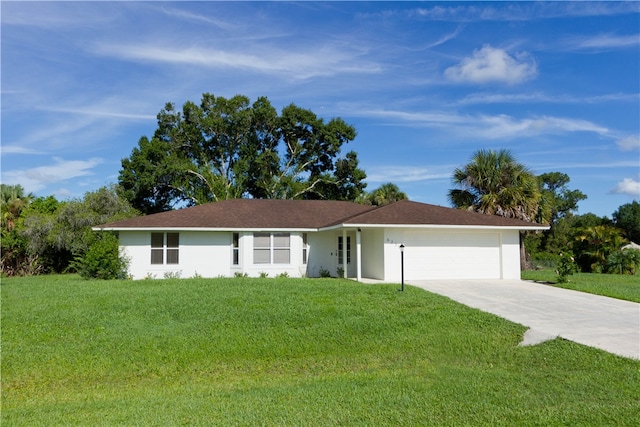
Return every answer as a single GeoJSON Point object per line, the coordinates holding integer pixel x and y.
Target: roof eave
{"type": "Point", "coordinates": [222, 229]}
{"type": "Point", "coordinates": [536, 227]}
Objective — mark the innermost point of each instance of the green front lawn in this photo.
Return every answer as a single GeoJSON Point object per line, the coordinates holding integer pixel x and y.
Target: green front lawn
{"type": "Point", "coordinates": [611, 285]}
{"type": "Point", "coordinates": [287, 352]}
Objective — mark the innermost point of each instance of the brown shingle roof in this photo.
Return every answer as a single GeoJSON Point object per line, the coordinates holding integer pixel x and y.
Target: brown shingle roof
{"type": "Point", "coordinates": [415, 213]}
{"type": "Point", "coordinates": [311, 214]}
{"type": "Point", "coordinates": [249, 213]}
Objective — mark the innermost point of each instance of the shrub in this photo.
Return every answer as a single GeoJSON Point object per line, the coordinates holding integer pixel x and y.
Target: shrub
{"type": "Point", "coordinates": [102, 260]}
{"type": "Point", "coordinates": [566, 267]}
{"type": "Point", "coordinates": [324, 272]}
{"type": "Point", "coordinates": [624, 261]}
{"type": "Point", "coordinates": [172, 274]}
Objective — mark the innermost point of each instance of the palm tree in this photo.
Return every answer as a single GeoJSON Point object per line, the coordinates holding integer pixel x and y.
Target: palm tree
{"type": "Point", "coordinates": [493, 183]}
{"type": "Point", "coordinates": [385, 194]}
{"type": "Point", "coordinates": [12, 200]}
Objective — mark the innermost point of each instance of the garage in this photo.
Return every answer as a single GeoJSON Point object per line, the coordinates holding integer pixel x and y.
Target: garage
{"type": "Point", "coordinates": [452, 255]}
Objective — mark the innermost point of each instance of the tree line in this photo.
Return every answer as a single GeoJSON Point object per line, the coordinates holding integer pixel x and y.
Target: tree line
{"type": "Point", "coordinates": [232, 148]}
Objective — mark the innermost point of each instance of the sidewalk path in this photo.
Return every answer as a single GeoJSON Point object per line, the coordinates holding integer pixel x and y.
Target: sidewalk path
{"type": "Point", "coordinates": [606, 323]}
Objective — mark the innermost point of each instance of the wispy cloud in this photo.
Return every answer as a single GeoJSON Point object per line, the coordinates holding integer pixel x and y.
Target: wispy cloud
{"type": "Point", "coordinates": [198, 18]}
{"type": "Point", "coordinates": [98, 113]}
{"type": "Point", "coordinates": [490, 65]}
{"type": "Point", "coordinates": [301, 64]}
{"type": "Point", "coordinates": [37, 178]}
{"type": "Point", "coordinates": [487, 126]}
{"type": "Point", "coordinates": [628, 186]}
{"type": "Point", "coordinates": [17, 149]}
{"type": "Point", "coordinates": [539, 97]}
{"type": "Point", "coordinates": [629, 143]}
{"type": "Point", "coordinates": [381, 174]}
{"type": "Point", "coordinates": [503, 126]}
{"type": "Point", "coordinates": [523, 11]}
{"type": "Point", "coordinates": [602, 41]}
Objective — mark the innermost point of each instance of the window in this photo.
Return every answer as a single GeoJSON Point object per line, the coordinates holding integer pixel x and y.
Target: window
{"type": "Point", "coordinates": [305, 247]}
{"type": "Point", "coordinates": [271, 248]}
{"type": "Point", "coordinates": [157, 251]}
{"type": "Point", "coordinates": [173, 243]}
{"type": "Point", "coordinates": [161, 245]}
{"type": "Point", "coordinates": [236, 249]}
{"type": "Point", "coordinates": [261, 248]}
{"type": "Point", "coordinates": [341, 249]}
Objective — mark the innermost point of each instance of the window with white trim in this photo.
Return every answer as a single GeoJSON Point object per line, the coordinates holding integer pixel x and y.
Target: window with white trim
{"type": "Point", "coordinates": [271, 248]}
{"type": "Point", "coordinates": [236, 249]}
{"type": "Point", "coordinates": [165, 248]}
{"type": "Point", "coordinates": [305, 248]}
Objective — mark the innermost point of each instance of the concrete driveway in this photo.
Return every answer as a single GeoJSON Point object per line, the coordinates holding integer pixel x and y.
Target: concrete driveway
{"type": "Point", "coordinates": [606, 323]}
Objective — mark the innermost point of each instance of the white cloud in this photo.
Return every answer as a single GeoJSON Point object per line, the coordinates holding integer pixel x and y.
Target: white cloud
{"type": "Point", "coordinates": [539, 97]}
{"type": "Point", "coordinates": [16, 149]}
{"type": "Point", "coordinates": [408, 173]}
{"type": "Point", "coordinates": [629, 143]}
{"type": "Point", "coordinates": [488, 127]}
{"type": "Point", "coordinates": [503, 126]}
{"type": "Point", "coordinates": [37, 178]}
{"type": "Point", "coordinates": [604, 41]}
{"type": "Point", "coordinates": [298, 63]}
{"type": "Point", "coordinates": [489, 64]}
{"type": "Point", "coordinates": [629, 187]}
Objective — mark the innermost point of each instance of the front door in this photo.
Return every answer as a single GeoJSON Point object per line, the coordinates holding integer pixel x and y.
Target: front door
{"type": "Point", "coordinates": [340, 252]}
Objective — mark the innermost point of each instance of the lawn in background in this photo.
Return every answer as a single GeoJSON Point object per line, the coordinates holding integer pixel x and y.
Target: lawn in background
{"type": "Point", "coordinates": [619, 286]}
{"type": "Point", "coordinates": [288, 352]}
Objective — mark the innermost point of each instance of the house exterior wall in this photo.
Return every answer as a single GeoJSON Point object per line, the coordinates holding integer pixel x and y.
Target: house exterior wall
{"type": "Point", "coordinates": [373, 255]}
{"type": "Point", "coordinates": [210, 254]}
{"type": "Point", "coordinates": [511, 255]}
{"type": "Point", "coordinates": [203, 253]}
{"type": "Point", "coordinates": [472, 254]}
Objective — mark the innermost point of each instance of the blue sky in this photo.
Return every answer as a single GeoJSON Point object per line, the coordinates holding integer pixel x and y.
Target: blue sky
{"type": "Point", "coordinates": [425, 84]}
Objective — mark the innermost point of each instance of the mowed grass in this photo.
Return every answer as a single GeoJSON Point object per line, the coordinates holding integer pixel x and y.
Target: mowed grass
{"type": "Point", "coordinates": [287, 352]}
{"type": "Point", "coordinates": [611, 285]}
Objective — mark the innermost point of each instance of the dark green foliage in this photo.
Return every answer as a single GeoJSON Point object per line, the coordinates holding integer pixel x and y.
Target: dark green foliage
{"type": "Point", "coordinates": [593, 245]}
{"type": "Point", "coordinates": [102, 260]}
{"type": "Point", "coordinates": [230, 148]}
{"type": "Point", "coordinates": [627, 218]}
{"type": "Point", "coordinates": [47, 235]}
{"type": "Point", "coordinates": [385, 194]}
{"type": "Point", "coordinates": [624, 261]}
{"type": "Point", "coordinates": [566, 267]}
{"type": "Point", "coordinates": [558, 200]}
{"type": "Point", "coordinates": [494, 183]}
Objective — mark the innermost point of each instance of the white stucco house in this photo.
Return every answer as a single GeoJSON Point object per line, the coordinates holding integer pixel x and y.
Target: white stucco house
{"type": "Point", "coordinates": [308, 237]}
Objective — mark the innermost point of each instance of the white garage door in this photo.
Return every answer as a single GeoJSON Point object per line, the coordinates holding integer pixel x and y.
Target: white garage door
{"type": "Point", "coordinates": [463, 255]}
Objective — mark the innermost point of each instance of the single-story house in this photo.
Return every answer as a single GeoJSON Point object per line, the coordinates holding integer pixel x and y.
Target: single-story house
{"type": "Point", "coordinates": [315, 237]}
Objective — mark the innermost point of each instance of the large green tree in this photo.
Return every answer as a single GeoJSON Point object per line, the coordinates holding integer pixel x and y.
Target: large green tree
{"type": "Point", "coordinates": [558, 204]}
{"type": "Point", "coordinates": [627, 219]}
{"type": "Point", "coordinates": [494, 183]}
{"type": "Point", "coordinates": [230, 148]}
{"type": "Point", "coordinates": [558, 200]}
